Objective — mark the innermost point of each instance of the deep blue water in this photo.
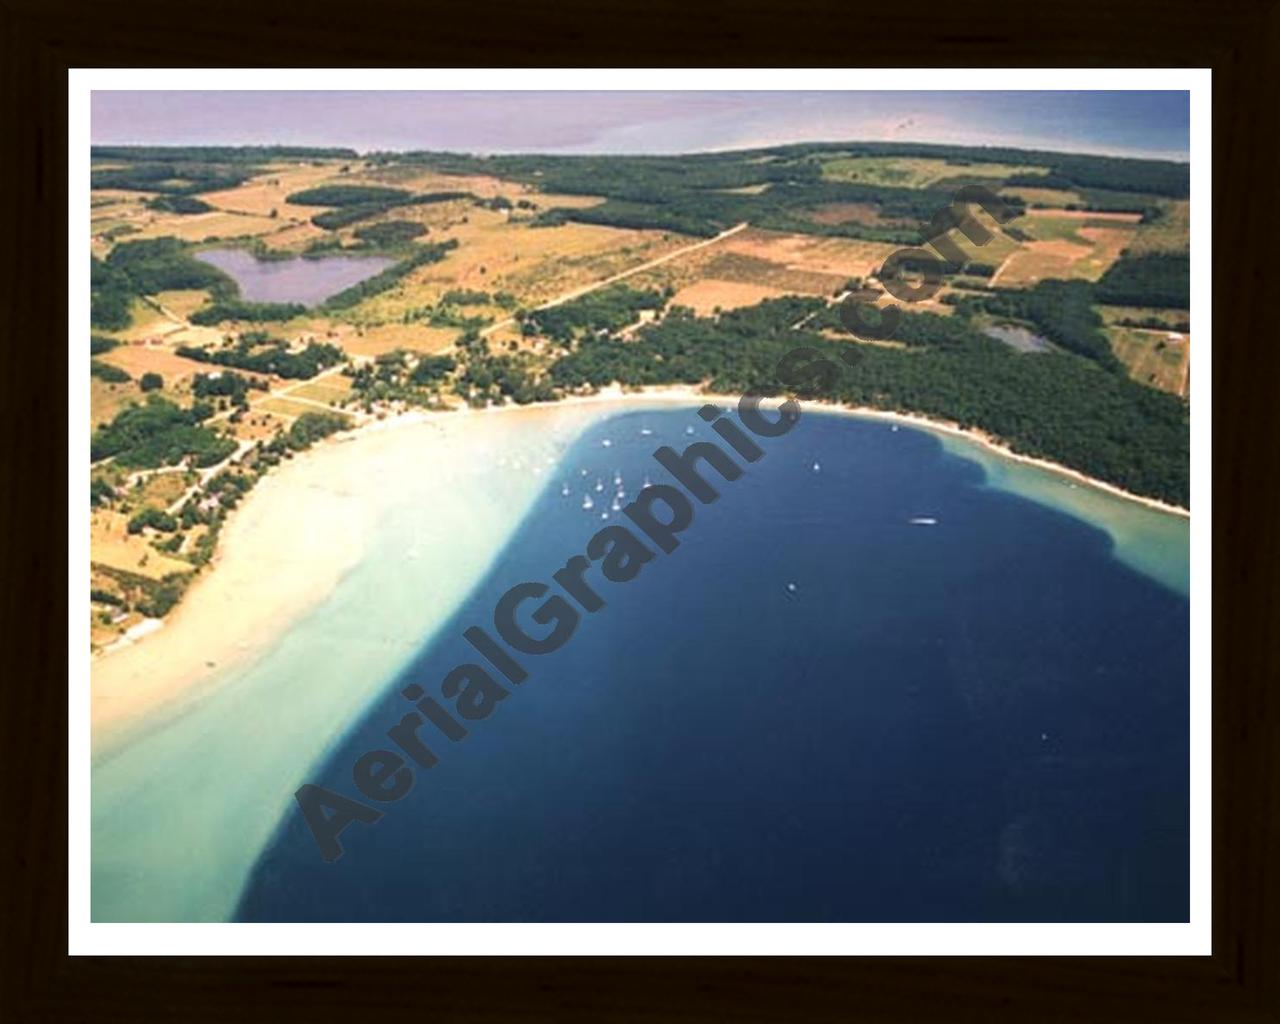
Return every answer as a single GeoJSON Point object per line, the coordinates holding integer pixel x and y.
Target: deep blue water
{"type": "Point", "coordinates": [984, 719]}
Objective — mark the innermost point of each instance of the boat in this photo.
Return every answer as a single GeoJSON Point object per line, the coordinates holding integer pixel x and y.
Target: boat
{"type": "Point", "coordinates": [587, 503]}
{"type": "Point", "coordinates": [922, 521]}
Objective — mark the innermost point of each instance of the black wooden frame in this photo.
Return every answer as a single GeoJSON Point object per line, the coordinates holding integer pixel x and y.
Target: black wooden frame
{"type": "Point", "coordinates": [40, 40]}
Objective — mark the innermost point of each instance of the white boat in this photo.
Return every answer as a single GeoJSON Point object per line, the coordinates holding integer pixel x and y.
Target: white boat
{"type": "Point", "coordinates": [817, 467]}
{"type": "Point", "coordinates": [617, 479]}
{"type": "Point", "coordinates": [599, 485]}
{"type": "Point", "coordinates": [564, 490]}
{"type": "Point", "coordinates": [922, 521]}
{"type": "Point", "coordinates": [607, 443]}
{"type": "Point", "coordinates": [587, 503]}
{"type": "Point", "coordinates": [645, 431]}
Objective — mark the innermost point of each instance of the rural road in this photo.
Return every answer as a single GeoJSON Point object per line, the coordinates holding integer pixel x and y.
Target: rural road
{"type": "Point", "coordinates": [577, 293]}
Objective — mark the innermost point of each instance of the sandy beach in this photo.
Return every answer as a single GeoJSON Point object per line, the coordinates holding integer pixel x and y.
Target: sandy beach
{"type": "Point", "coordinates": [309, 522]}
{"type": "Point", "coordinates": [296, 534]}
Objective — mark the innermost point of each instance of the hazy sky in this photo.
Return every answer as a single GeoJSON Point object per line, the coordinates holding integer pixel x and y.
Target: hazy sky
{"type": "Point", "coordinates": [1137, 123]}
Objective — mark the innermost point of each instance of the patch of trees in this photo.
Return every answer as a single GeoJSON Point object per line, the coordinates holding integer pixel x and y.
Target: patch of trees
{"type": "Point", "coordinates": [390, 234]}
{"type": "Point", "coordinates": [107, 372]}
{"type": "Point", "coordinates": [402, 376]}
{"type": "Point", "coordinates": [110, 296]}
{"type": "Point", "coordinates": [347, 195]}
{"type": "Point", "coordinates": [226, 385]}
{"type": "Point", "coordinates": [134, 269]}
{"type": "Point", "coordinates": [161, 264]}
{"type": "Point", "coordinates": [151, 382]}
{"type": "Point", "coordinates": [100, 492]}
{"type": "Point", "coordinates": [220, 154]}
{"type": "Point", "coordinates": [1056, 406]}
{"type": "Point", "coordinates": [342, 216]}
{"type": "Point", "coordinates": [421, 256]}
{"type": "Point", "coordinates": [1152, 279]}
{"type": "Point", "coordinates": [159, 433]}
{"type": "Point", "coordinates": [160, 597]}
{"type": "Point", "coordinates": [178, 204]}
{"type": "Point", "coordinates": [153, 518]}
{"type": "Point", "coordinates": [607, 309]}
{"type": "Point", "coordinates": [177, 178]}
{"type": "Point", "coordinates": [250, 312]}
{"type": "Point", "coordinates": [260, 353]}
{"type": "Point", "coordinates": [465, 297]}
{"type": "Point", "coordinates": [310, 427]}
{"type": "Point", "coordinates": [487, 379]}
{"type": "Point", "coordinates": [1062, 311]}
{"type": "Point", "coordinates": [99, 343]}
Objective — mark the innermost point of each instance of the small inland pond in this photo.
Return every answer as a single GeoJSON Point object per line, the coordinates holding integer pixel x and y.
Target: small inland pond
{"type": "Point", "coordinates": [308, 281]}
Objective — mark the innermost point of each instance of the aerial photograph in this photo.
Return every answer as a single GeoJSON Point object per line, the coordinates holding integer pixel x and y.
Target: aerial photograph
{"type": "Point", "coordinates": [671, 506]}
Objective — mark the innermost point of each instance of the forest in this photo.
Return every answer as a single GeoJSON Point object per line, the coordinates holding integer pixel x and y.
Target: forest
{"type": "Point", "coordinates": [1151, 279]}
{"type": "Point", "coordinates": [134, 269]}
{"type": "Point", "coordinates": [608, 309]}
{"type": "Point", "coordinates": [1052, 405]}
{"type": "Point", "coordinates": [690, 193]}
{"type": "Point", "coordinates": [159, 433]}
{"type": "Point", "coordinates": [1062, 311]}
{"type": "Point", "coordinates": [260, 353]}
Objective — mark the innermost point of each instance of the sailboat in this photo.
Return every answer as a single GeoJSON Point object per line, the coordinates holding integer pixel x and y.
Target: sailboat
{"type": "Point", "coordinates": [587, 503]}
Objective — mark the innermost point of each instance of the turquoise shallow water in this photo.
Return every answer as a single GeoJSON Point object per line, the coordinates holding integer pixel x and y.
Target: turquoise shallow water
{"type": "Point", "coordinates": [813, 709]}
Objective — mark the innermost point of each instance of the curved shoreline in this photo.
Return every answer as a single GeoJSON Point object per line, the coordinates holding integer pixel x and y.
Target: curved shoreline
{"type": "Point", "coordinates": [235, 610]}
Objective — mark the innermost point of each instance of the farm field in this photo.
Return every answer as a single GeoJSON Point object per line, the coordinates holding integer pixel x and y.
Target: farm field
{"type": "Point", "coordinates": [111, 544]}
{"type": "Point", "coordinates": [1043, 197]}
{"type": "Point", "coordinates": [914, 172]}
{"type": "Point", "coordinates": [139, 359]}
{"type": "Point", "coordinates": [1171, 232]}
{"type": "Point", "coordinates": [1066, 245]}
{"type": "Point", "coordinates": [533, 264]}
{"type": "Point", "coordinates": [1157, 358]}
{"type": "Point", "coordinates": [710, 295]}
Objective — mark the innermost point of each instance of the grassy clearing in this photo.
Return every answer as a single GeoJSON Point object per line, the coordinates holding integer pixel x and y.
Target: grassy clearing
{"type": "Point", "coordinates": [711, 295]}
{"type": "Point", "coordinates": [331, 389]}
{"type": "Point", "coordinates": [1156, 358]}
{"type": "Point", "coordinates": [106, 400]}
{"type": "Point", "coordinates": [1054, 198]}
{"type": "Point", "coordinates": [533, 264]}
{"type": "Point", "coordinates": [284, 407]}
{"type": "Point", "coordinates": [161, 490]}
{"type": "Point", "coordinates": [139, 359]}
{"type": "Point", "coordinates": [1171, 232]}
{"type": "Point", "coordinates": [1070, 246]}
{"type": "Point", "coordinates": [913, 172]}
{"type": "Point", "coordinates": [111, 544]}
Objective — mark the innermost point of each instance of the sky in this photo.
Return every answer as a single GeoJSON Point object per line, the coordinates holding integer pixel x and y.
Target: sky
{"type": "Point", "coordinates": [1134, 123]}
